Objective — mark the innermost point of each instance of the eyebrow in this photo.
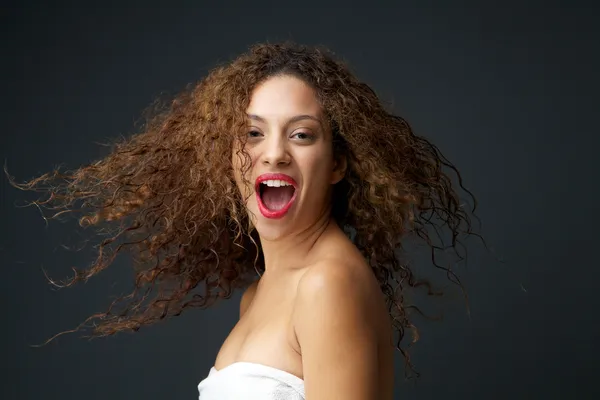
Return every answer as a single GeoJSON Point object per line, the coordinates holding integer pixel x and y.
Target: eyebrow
{"type": "Point", "coordinates": [290, 121]}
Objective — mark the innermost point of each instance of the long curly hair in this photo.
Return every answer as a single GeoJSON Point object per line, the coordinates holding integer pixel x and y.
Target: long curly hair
{"type": "Point", "coordinates": [167, 195]}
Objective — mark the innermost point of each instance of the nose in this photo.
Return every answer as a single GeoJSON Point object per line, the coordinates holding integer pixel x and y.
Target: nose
{"type": "Point", "coordinates": [275, 151]}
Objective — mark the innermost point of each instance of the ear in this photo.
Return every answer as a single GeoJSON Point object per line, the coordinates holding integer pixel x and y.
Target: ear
{"type": "Point", "coordinates": [340, 165]}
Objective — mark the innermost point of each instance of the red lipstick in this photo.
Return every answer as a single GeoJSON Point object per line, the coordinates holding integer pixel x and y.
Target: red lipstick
{"type": "Point", "coordinates": [266, 212]}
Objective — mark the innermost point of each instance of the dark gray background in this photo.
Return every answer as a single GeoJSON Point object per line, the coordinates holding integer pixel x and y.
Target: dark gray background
{"type": "Point", "coordinates": [508, 91]}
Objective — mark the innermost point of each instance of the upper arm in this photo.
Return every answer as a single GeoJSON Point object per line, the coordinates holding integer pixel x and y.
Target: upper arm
{"type": "Point", "coordinates": [247, 297]}
{"type": "Point", "coordinates": [337, 336]}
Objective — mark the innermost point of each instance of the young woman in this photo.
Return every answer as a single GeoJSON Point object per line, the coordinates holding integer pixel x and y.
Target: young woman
{"type": "Point", "coordinates": [284, 175]}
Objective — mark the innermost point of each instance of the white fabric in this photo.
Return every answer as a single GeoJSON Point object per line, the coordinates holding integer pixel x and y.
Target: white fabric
{"type": "Point", "coordinates": [250, 381]}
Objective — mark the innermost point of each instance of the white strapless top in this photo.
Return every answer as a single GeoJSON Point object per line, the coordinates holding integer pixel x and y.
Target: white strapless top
{"type": "Point", "coordinates": [250, 381]}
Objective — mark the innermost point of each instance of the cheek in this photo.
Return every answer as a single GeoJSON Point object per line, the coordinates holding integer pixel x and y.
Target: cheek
{"type": "Point", "coordinates": [320, 167]}
{"type": "Point", "coordinates": [236, 164]}
{"type": "Point", "coordinates": [242, 172]}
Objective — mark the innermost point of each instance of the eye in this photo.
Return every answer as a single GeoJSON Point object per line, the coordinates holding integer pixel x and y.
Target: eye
{"type": "Point", "coordinates": [254, 134]}
{"type": "Point", "coordinates": [303, 136]}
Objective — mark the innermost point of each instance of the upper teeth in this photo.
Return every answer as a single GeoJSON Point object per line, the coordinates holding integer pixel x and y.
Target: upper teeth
{"type": "Point", "coordinates": [275, 183]}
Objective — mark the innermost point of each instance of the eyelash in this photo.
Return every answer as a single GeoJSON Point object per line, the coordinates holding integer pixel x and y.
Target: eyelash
{"type": "Point", "coordinates": [309, 136]}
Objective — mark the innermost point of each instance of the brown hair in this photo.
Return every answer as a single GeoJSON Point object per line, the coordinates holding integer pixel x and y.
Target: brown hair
{"type": "Point", "coordinates": [167, 194]}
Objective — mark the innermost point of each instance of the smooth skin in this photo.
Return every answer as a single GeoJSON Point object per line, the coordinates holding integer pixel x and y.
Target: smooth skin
{"type": "Point", "coordinates": [317, 312]}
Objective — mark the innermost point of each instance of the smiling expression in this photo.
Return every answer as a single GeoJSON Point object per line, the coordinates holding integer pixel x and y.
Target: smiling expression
{"type": "Point", "coordinates": [290, 146]}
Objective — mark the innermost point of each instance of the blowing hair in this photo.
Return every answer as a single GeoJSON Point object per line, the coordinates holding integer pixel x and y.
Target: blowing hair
{"type": "Point", "coordinates": [167, 195]}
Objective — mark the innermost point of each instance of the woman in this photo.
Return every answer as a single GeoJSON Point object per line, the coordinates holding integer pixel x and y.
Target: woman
{"type": "Point", "coordinates": [281, 166]}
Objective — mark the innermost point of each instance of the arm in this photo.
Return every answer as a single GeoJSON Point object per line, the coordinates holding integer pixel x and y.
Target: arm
{"type": "Point", "coordinates": [247, 297]}
{"type": "Point", "coordinates": [336, 334]}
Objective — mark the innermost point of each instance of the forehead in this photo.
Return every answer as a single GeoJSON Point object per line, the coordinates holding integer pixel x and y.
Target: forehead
{"type": "Point", "coordinates": [284, 97]}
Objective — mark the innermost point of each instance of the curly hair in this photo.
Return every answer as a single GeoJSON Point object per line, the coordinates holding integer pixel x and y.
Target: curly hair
{"type": "Point", "coordinates": [167, 194]}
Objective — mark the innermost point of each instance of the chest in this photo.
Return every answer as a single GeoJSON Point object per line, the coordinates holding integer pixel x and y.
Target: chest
{"type": "Point", "coordinates": [265, 334]}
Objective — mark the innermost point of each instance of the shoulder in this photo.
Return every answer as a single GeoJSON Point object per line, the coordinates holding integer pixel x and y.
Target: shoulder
{"type": "Point", "coordinates": [338, 286]}
{"type": "Point", "coordinates": [336, 329]}
{"type": "Point", "coordinates": [247, 297]}
{"type": "Point", "coordinates": [331, 277]}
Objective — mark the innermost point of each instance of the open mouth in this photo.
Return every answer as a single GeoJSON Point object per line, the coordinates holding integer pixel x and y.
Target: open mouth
{"type": "Point", "coordinates": [275, 196]}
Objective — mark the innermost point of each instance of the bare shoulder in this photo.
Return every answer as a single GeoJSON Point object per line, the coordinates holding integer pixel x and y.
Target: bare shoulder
{"type": "Point", "coordinates": [247, 297]}
{"type": "Point", "coordinates": [333, 274]}
{"type": "Point", "coordinates": [346, 285]}
{"type": "Point", "coordinates": [337, 330]}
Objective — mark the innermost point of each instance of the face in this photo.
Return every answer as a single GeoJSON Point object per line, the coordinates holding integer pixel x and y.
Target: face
{"type": "Point", "coordinates": [290, 145]}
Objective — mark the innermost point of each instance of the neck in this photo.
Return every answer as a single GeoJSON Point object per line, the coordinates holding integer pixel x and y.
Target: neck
{"type": "Point", "coordinates": [296, 250]}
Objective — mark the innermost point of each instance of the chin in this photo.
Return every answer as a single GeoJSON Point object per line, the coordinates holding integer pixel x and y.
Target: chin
{"type": "Point", "coordinates": [271, 232]}
{"type": "Point", "coordinates": [271, 224]}
{"type": "Point", "coordinates": [268, 228]}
